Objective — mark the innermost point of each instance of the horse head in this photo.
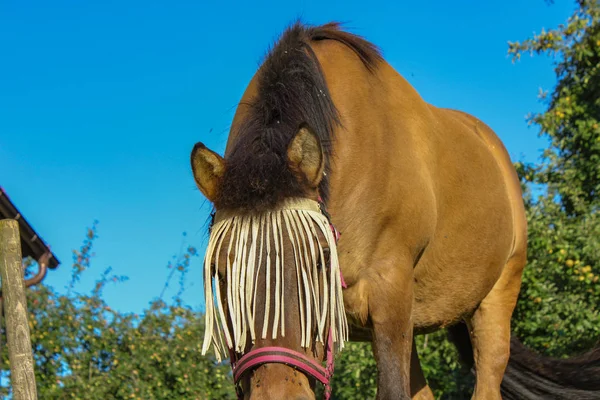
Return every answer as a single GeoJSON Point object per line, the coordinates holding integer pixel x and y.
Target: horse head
{"type": "Point", "coordinates": [273, 288]}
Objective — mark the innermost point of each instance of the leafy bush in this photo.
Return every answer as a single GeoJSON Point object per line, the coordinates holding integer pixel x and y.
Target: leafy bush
{"type": "Point", "coordinates": [83, 349]}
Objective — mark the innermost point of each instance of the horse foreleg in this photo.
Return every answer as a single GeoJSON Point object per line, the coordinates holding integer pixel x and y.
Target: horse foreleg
{"type": "Point", "coordinates": [489, 329]}
{"type": "Point", "coordinates": [419, 390]}
{"type": "Point", "coordinates": [390, 309]}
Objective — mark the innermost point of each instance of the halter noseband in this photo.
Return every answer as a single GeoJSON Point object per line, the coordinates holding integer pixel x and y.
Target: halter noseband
{"type": "Point", "coordinates": [291, 358]}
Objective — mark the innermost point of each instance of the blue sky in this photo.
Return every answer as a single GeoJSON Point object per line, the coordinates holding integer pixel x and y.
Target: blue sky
{"type": "Point", "coordinates": [101, 103]}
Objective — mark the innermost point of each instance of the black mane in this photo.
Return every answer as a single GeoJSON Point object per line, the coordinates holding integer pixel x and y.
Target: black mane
{"type": "Point", "coordinates": [291, 91]}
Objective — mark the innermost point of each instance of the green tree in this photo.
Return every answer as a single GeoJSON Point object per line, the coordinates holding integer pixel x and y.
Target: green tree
{"type": "Point", "coordinates": [83, 349]}
{"type": "Point", "coordinates": [558, 311]}
{"type": "Point", "coordinates": [571, 163]}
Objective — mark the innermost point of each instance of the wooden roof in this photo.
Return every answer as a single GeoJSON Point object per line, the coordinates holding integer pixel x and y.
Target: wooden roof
{"type": "Point", "coordinates": [32, 244]}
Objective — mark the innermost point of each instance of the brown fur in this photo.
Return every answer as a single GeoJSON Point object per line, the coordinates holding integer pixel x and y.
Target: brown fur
{"type": "Point", "coordinates": [428, 203]}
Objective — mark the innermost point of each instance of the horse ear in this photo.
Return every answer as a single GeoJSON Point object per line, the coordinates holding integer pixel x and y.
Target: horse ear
{"type": "Point", "coordinates": [208, 168]}
{"type": "Point", "coordinates": [305, 156]}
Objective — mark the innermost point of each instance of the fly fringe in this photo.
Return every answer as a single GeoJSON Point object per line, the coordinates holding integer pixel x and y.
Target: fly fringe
{"type": "Point", "coordinates": [319, 284]}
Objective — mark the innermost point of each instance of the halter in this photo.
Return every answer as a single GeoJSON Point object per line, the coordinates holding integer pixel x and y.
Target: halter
{"type": "Point", "coordinates": [291, 358]}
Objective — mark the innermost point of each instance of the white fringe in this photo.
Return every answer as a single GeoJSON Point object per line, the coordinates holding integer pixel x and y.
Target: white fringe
{"type": "Point", "coordinates": [298, 220]}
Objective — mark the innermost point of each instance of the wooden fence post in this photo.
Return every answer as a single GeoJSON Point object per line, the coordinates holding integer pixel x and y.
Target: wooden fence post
{"type": "Point", "coordinates": [15, 311]}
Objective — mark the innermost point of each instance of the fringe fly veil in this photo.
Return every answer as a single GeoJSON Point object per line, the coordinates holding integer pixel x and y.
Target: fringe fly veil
{"type": "Point", "coordinates": [319, 285]}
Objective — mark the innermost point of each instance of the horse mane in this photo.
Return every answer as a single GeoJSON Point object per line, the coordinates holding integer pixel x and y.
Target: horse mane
{"type": "Point", "coordinates": [292, 92]}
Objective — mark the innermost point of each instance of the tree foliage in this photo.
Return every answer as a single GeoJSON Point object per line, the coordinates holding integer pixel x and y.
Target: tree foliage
{"type": "Point", "coordinates": [558, 311]}
{"type": "Point", "coordinates": [83, 349]}
{"type": "Point", "coordinates": [571, 163]}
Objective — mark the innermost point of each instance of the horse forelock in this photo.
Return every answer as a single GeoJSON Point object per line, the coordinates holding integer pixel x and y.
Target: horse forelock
{"type": "Point", "coordinates": [292, 91]}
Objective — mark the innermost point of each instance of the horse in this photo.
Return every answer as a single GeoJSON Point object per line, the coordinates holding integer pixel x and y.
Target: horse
{"type": "Point", "coordinates": [346, 207]}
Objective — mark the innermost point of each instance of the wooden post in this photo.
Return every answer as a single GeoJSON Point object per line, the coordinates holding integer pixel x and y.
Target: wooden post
{"type": "Point", "coordinates": [15, 311]}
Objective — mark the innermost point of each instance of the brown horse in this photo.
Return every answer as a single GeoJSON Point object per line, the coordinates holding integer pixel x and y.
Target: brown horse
{"type": "Point", "coordinates": [426, 199]}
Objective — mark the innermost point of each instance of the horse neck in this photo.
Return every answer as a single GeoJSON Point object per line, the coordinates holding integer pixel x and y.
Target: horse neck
{"type": "Point", "coordinates": [377, 151]}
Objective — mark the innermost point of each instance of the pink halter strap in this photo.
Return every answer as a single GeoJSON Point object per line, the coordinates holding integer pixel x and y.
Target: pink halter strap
{"type": "Point", "coordinates": [299, 361]}
{"type": "Point", "coordinates": [267, 355]}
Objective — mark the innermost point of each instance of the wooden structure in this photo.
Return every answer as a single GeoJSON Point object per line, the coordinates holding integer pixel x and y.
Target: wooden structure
{"type": "Point", "coordinates": [15, 306]}
{"type": "Point", "coordinates": [32, 244]}
{"type": "Point", "coordinates": [19, 240]}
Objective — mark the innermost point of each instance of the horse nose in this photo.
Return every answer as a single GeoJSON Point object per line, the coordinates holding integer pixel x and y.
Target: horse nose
{"type": "Point", "coordinates": [277, 396]}
{"type": "Point", "coordinates": [279, 382]}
